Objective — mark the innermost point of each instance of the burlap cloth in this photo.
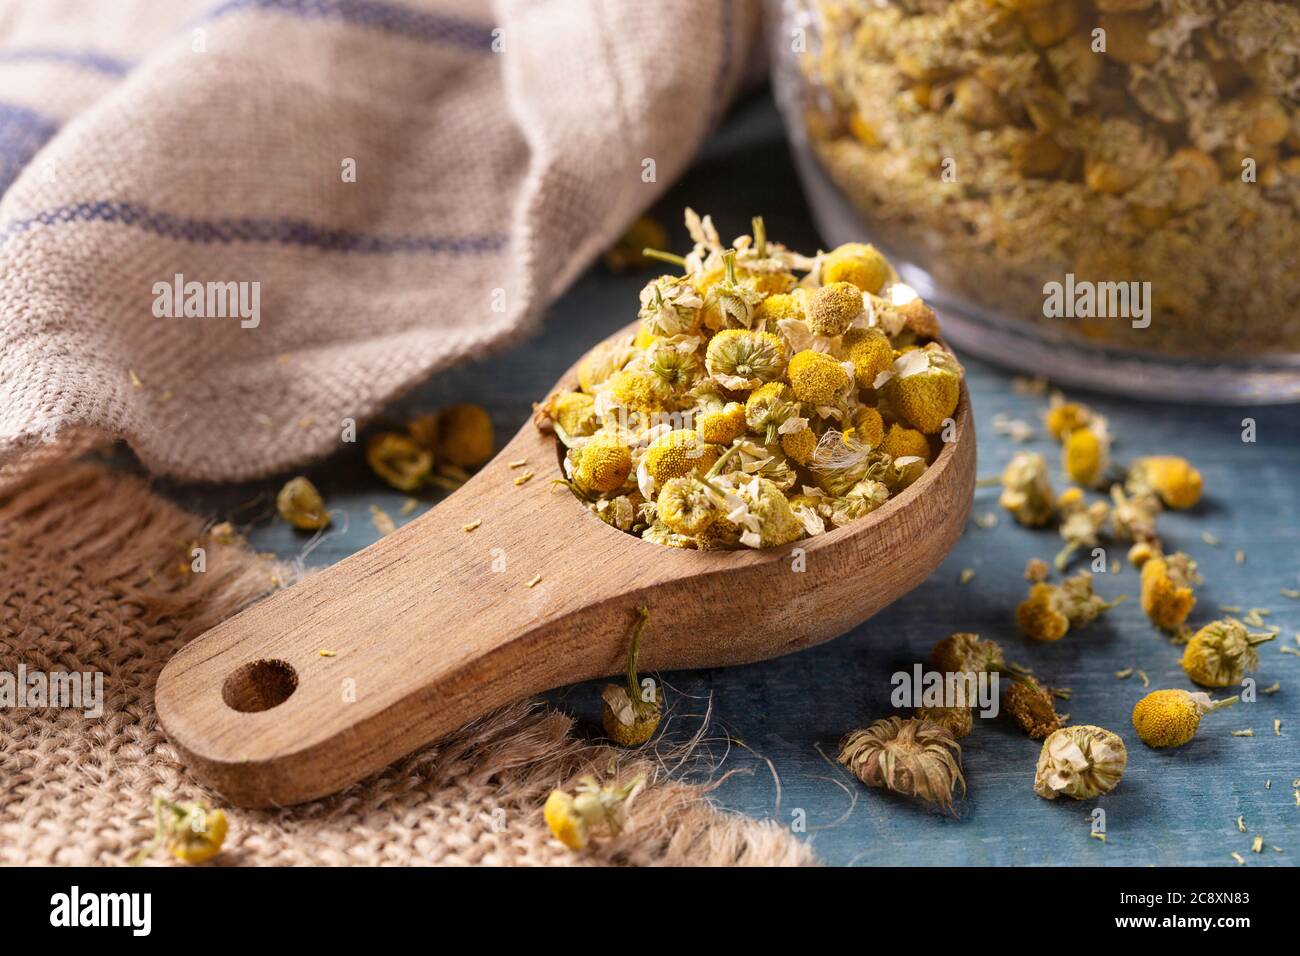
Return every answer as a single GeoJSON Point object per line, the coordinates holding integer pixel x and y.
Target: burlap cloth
{"type": "Point", "coordinates": [498, 147]}
{"type": "Point", "coordinates": [90, 561]}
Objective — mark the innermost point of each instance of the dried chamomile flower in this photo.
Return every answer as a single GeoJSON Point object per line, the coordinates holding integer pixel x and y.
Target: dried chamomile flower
{"type": "Point", "coordinates": [1027, 490]}
{"type": "Point", "coordinates": [637, 391]}
{"type": "Point", "coordinates": [191, 832]}
{"type": "Point", "coordinates": [779, 307]}
{"type": "Point", "coordinates": [722, 426]}
{"type": "Point", "coordinates": [670, 306]}
{"type": "Point", "coordinates": [856, 263]}
{"type": "Point", "coordinates": [1174, 479]}
{"type": "Point", "coordinates": [591, 809]}
{"type": "Point", "coordinates": [1170, 718]}
{"type": "Point", "coordinates": [676, 453]}
{"type": "Point", "coordinates": [1220, 653]}
{"type": "Point", "coordinates": [1085, 456]}
{"type": "Point", "coordinates": [601, 363]}
{"type": "Point", "coordinates": [924, 387]}
{"type": "Point", "coordinates": [817, 378]}
{"type": "Point", "coordinates": [675, 363]}
{"type": "Point", "coordinates": [300, 504]}
{"type": "Point", "coordinates": [1167, 595]}
{"type": "Point", "coordinates": [1031, 705]}
{"type": "Point", "coordinates": [741, 360]}
{"type": "Point", "coordinates": [903, 442]}
{"type": "Point", "coordinates": [1134, 516]}
{"type": "Point", "coordinates": [860, 500]}
{"type": "Point", "coordinates": [729, 303]}
{"type": "Point", "coordinates": [1142, 552]}
{"type": "Point", "coordinates": [1051, 609]}
{"type": "Point", "coordinates": [423, 430]}
{"type": "Point", "coordinates": [1081, 523]}
{"type": "Point", "coordinates": [870, 352]}
{"type": "Point", "coordinates": [840, 461]}
{"type": "Point", "coordinates": [687, 505]}
{"type": "Point", "coordinates": [1063, 417]}
{"type": "Point", "coordinates": [631, 713]}
{"type": "Point", "coordinates": [868, 427]}
{"type": "Point", "coordinates": [1036, 569]}
{"type": "Point", "coordinates": [603, 464]}
{"type": "Point", "coordinates": [833, 307]}
{"type": "Point", "coordinates": [1082, 762]}
{"type": "Point", "coordinates": [765, 515]}
{"type": "Point", "coordinates": [465, 436]}
{"type": "Point", "coordinates": [798, 440]}
{"type": "Point", "coordinates": [769, 407]}
{"type": "Point", "coordinates": [958, 721]}
{"type": "Point", "coordinates": [963, 653]}
{"type": "Point", "coordinates": [573, 413]}
{"type": "Point", "coordinates": [399, 460]}
{"type": "Point", "coordinates": [914, 757]}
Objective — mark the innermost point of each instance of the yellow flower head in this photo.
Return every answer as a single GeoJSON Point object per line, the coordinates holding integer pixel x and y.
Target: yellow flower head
{"type": "Point", "coordinates": [1086, 455]}
{"type": "Point", "coordinates": [642, 392]}
{"type": "Point", "coordinates": [869, 427]}
{"type": "Point", "coordinates": [574, 412]}
{"type": "Point", "coordinates": [779, 306]}
{"type": "Point", "coordinates": [465, 436]}
{"type": "Point", "coordinates": [678, 453]}
{"type": "Point", "coordinates": [300, 504]}
{"type": "Point", "coordinates": [902, 442]}
{"type": "Point", "coordinates": [1062, 417]}
{"type": "Point", "coordinates": [1220, 653]}
{"type": "Point", "coordinates": [687, 506]}
{"type": "Point", "coordinates": [1027, 490]}
{"type": "Point", "coordinates": [741, 359]}
{"type": "Point", "coordinates": [1040, 616]}
{"type": "Point", "coordinates": [855, 262]}
{"type": "Point", "coordinates": [833, 307]}
{"type": "Point", "coordinates": [573, 818]}
{"type": "Point", "coordinates": [399, 460]}
{"type": "Point", "coordinates": [817, 378]}
{"type": "Point", "coordinates": [769, 520]}
{"type": "Point", "coordinates": [1174, 479]}
{"type": "Point", "coordinates": [603, 464]}
{"type": "Point", "coordinates": [601, 364]}
{"type": "Point", "coordinates": [722, 426]}
{"type": "Point", "coordinates": [799, 444]}
{"type": "Point", "coordinates": [768, 408]}
{"type": "Point", "coordinates": [198, 843]}
{"type": "Point", "coordinates": [926, 399]}
{"type": "Point", "coordinates": [870, 352]}
{"type": "Point", "coordinates": [564, 822]}
{"type": "Point", "coordinates": [1170, 718]}
{"type": "Point", "coordinates": [1167, 596]}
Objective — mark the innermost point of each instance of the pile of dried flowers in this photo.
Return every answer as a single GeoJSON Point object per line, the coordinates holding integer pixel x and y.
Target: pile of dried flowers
{"type": "Point", "coordinates": [765, 397]}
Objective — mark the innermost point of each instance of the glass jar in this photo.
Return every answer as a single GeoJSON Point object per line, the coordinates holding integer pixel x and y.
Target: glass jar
{"type": "Point", "coordinates": [1105, 192]}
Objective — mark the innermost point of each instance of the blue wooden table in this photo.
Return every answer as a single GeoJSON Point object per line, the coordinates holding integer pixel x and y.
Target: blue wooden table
{"type": "Point", "coordinates": [779, 722]}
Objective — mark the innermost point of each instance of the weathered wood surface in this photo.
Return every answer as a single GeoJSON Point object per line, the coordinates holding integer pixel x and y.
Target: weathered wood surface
{"type": "Point", "coordinates": [1177, 807]}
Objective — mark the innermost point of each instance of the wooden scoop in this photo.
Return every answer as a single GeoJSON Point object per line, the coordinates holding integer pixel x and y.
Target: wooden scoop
{"type": "Point", "coordinates": [434, 626]}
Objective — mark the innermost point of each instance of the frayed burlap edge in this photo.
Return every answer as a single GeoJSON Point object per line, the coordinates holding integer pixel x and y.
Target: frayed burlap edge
{"type": "Point", "coordinates": [95, 572]}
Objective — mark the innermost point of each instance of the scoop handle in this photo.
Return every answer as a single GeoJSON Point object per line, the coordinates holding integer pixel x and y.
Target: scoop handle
{"type": "Point", "coordinates": [425, 630]}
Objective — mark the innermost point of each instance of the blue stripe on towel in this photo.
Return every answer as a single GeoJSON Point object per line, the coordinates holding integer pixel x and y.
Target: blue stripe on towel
{"type": "Point", "coordinates": [86, 59]}
{"type": "Point", "coordinates": [22, 134]}
{"type": "Point", "coordinates": [288, 232]}
{"type": "Point", "coordinates": [377, 14]}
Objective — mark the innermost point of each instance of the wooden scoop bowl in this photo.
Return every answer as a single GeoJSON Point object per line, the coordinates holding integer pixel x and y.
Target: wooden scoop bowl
{"type": "Point", "coordinates": [434, 626]}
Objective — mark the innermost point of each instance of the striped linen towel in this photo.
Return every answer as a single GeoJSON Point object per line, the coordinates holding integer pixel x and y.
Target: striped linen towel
{"type": "Point", "coordinates": [226, 227]}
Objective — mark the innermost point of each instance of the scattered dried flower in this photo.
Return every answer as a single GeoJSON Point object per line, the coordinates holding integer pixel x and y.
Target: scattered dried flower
{"type": "Point", "coordinates": [913, 757]}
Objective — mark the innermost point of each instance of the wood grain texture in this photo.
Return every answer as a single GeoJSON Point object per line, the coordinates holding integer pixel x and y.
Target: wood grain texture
{"type": "Point", "coordinates": [434, 626]}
